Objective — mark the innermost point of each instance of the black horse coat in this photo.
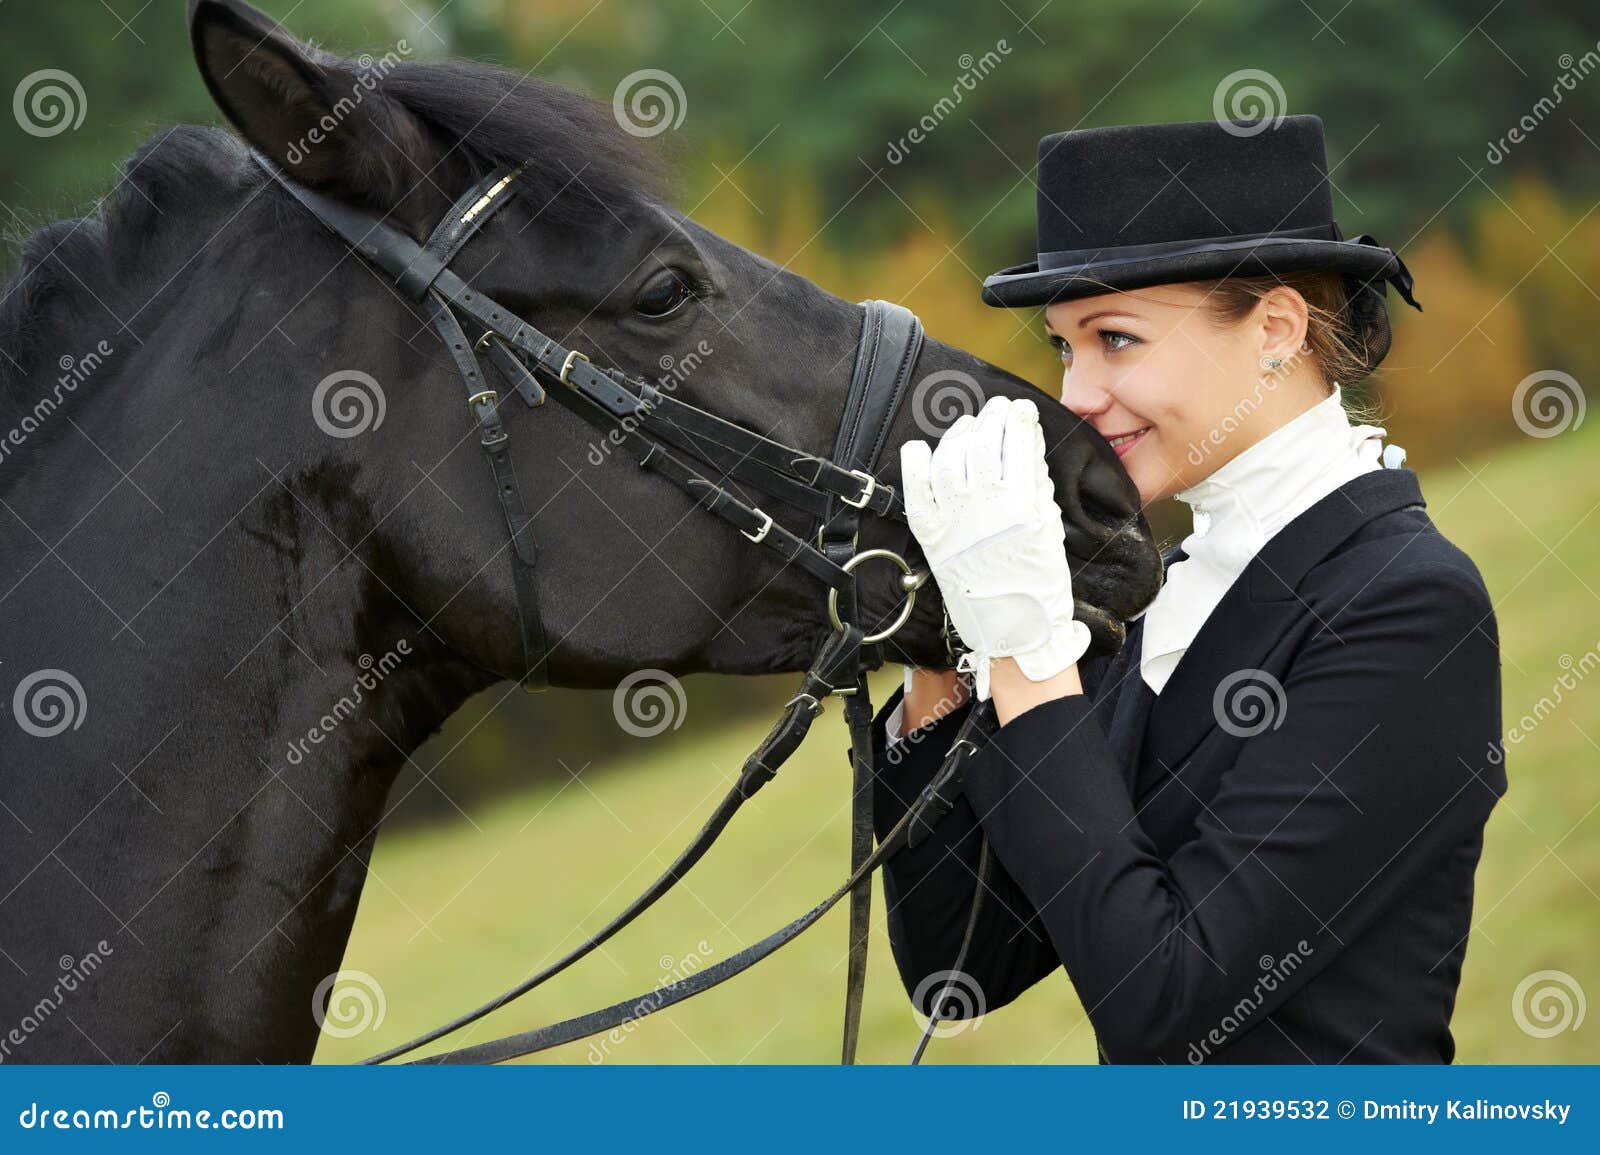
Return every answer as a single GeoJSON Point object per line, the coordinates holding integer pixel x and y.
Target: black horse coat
{"type": "Point", "coordinates": [1271, 861]}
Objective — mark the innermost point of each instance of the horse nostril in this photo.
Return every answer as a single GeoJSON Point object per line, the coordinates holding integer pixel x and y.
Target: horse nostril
{"type": "Point", "coordinates": [1107, 492]}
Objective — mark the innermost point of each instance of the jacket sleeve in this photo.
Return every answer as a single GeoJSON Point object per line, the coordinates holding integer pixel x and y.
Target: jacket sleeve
{"type": "Point", "coordinates": [929, 890]}
{"type": "Point", "coordinates": [1380, 759]}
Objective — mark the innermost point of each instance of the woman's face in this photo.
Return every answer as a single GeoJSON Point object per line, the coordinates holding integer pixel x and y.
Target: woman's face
{"type": "Point", "coordinates": [1154, 363]}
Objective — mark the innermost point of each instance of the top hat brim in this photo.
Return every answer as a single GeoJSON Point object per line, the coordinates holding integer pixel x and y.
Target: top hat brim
{"type": "Point", "coordinates": [1025, 285]}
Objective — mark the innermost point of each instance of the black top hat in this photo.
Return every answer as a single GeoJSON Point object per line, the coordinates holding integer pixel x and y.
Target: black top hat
{"type": "Point", "coordinates": [1151, 204]}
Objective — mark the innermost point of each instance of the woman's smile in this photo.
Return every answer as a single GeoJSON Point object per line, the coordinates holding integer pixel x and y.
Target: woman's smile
{"type": "Point", "coordinates": [1123, 443]}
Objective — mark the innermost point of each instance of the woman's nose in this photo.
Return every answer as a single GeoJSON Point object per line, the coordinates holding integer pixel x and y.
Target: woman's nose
{"type": "Point", "coordinates": [1082, 395]}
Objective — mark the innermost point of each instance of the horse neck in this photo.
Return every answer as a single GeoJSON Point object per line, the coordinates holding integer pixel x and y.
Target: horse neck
{"type": "Point", "coordinates": [249, 689]}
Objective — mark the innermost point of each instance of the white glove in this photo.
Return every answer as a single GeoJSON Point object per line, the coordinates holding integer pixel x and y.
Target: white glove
{"type": "Point", "coordinates": [983, 508]}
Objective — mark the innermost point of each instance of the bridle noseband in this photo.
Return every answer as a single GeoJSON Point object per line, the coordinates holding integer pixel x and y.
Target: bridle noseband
{"type": "Point", "coordinates": [656, 428]}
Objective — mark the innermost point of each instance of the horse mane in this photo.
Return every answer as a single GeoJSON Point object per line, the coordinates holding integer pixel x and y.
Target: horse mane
{"type": "Point", "coordinates": [581, 167]}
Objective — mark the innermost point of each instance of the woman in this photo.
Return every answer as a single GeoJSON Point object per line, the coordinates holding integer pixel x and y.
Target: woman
{"type": "Point", "coordinates": [1250, 835]}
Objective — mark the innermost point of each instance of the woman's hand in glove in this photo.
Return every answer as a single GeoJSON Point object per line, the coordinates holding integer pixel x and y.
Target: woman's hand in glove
{"type": "Point", "coordinates": [983, 508]}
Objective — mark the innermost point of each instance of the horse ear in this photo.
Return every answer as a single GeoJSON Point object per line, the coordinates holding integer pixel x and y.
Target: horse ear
{"type": "Point", "coordinates": [316, 116]}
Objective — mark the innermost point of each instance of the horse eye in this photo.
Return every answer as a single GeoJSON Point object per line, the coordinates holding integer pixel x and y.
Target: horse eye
{"type": "Point", "coordinates": [662, 294]}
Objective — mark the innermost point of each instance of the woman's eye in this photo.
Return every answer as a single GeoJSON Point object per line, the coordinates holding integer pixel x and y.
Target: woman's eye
{"type": "Point", "coordinates": [1115, 340]}
{"type": "Point", "coordinates": [1059, 344]}
{"type": "Point", "coordinates": [664, 293]}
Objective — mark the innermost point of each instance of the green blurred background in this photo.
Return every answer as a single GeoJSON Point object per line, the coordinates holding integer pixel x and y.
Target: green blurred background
{"type": "Point", "coordinates": [1463, 133]}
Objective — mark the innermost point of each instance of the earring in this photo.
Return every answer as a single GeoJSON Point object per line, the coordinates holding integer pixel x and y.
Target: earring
{"type": "Point", "coordinates": [1272, 363]}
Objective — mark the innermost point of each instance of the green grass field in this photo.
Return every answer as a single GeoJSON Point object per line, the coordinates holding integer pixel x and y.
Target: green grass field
{"type": "Point", "coordinates": [453, 914]}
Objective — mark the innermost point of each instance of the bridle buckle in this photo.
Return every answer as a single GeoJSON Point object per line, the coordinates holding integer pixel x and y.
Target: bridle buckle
{"type": "Point", "coordinates": [869, 486]}
{"type": "Point", "coordinates": [566, 365]}
{"type": "Point", "coordinates": [766, 526]}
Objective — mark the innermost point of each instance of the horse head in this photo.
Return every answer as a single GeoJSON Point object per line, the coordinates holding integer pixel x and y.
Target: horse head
{"type": "Point", "coordinates": [629, 575]}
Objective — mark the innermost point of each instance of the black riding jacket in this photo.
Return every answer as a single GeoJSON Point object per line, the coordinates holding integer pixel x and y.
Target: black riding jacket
{"type": "Point", "coordinates": [1219, 887]}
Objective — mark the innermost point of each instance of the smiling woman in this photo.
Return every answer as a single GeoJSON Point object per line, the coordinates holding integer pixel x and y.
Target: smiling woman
{"type": "Point", "coordinates": [1251, 835]}
{"type": "Point", "coordinates": [1156, 371]}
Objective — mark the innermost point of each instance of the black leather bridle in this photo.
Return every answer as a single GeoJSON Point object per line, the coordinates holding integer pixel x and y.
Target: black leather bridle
{"type": "Point", "coordinates": [655, 427]}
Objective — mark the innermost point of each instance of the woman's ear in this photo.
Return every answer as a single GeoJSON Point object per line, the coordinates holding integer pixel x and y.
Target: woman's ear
{"type": "Point", "coordinates": [1285, 320]}
{"type": "Point", "coordinates": [320, 118]}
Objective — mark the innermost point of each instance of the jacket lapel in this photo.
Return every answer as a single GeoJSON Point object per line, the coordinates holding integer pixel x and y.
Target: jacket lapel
{"type": "Point", "coordinates": [1253, 614]}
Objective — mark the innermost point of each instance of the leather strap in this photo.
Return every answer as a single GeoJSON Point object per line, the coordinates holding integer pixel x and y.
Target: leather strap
{"type": "Point", "coordinates": [830, 672]}
{"type": "Point", "coordinates": [976, 727]}
{"type": "Point", "coordinates": [858, 715]}
{"type": "Point", "coordinates": [956, 971]}
{"type": "Point", "coordinates": [891, 340]}
{"type": "Point", "coordinates": [450, 235]}
{"type": "Point", "coordinates": [513, 370]}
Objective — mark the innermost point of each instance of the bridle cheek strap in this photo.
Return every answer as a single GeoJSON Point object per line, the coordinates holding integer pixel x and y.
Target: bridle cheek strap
{"type": "Point", "coordinates": [496, 445]}
{"type": "Point", "coordinates": [891, 341]}
{"type": "Point", "coordinates": [417, 271]}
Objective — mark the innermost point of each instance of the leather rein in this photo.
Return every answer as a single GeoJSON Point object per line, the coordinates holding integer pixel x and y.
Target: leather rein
{"type": "Point", "coordinates": [651, 424]}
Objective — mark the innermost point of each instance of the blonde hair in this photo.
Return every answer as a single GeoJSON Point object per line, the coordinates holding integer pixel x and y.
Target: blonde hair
{"type": "Point", "coordinates": [1338, 351]}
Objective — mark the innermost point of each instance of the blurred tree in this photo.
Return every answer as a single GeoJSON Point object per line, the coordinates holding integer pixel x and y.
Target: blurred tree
{"type": "Point", "coordinates": [1413, 94]}
{"type": "Point", "coordinates": [132, 65]}
{"type": "Point", "coordinates": [1449, 379]}
{"type": "Point", "coordinates": [1547, 252]}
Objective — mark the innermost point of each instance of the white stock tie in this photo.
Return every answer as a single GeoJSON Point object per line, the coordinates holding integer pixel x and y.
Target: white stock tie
{"type": "Point", "coordinates": [1241, 506]}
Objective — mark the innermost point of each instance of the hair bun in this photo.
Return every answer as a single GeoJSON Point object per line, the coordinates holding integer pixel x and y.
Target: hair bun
{"type": "Point", "coordinates": [1369, 321]}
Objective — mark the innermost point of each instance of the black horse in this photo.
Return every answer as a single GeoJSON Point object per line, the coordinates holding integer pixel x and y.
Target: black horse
{"type": "Point", "coordinates": [198, 561]}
